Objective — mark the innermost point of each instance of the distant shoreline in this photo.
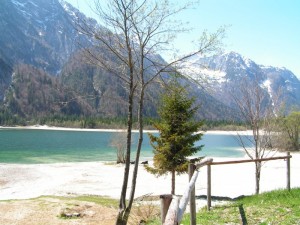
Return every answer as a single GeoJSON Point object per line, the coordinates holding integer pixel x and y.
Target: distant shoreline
{"type": "Point", "coordinates": [45, 127]}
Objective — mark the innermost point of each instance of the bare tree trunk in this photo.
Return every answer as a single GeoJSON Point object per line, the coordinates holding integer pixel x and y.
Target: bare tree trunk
{"type": "Point", "coordinates": [173, 183]}
{"type": "Point", "coordinates": [258, 155]}
{"type": "Point", "coordinates": [257, 177]}
{"type": "Point", "coordinates": [137, 158]}
{"type": "Point", "coordinates": [123, 212]}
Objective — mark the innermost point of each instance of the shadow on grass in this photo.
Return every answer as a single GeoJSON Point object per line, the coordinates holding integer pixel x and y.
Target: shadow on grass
{"type": "Point", "coordinates": [243, 214]}
{"type": "Point", "coordinates": [222, 198]}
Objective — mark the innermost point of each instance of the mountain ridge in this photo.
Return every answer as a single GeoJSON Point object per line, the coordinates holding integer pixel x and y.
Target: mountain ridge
{"type": "Point", "coordinates": [225, 72]}
{"type": "Point", "coordinates": [39, 38]}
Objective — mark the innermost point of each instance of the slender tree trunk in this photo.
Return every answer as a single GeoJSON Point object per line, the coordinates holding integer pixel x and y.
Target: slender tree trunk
{"type": "Point", "coordinates": [139, 147]}
{"type": "Point", "coordinates": [125, 211]}
{"type": "Point", "coordinates": [173, 183]}
{"type": "Point", "coordinates": [256, 136]}
{"type": "Point", "coordinates": [123, 214]}
{"type": "Point", "coordinates": [257, 177]}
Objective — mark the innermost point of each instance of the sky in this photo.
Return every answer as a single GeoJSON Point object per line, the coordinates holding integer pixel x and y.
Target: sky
{"type": "Point", "coordinates": [265, 31]}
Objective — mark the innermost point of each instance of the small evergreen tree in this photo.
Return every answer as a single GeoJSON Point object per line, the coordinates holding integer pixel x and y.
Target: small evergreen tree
{"type": "Point", "coordinates": [177, 133]}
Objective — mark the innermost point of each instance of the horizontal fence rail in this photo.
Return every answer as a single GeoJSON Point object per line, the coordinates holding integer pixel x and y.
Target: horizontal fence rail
{"type": "Point", "coordinates": [287, 158]}
{"type": "Point", "coordinates": [172, 210]}
{"type": "Point", "coordinates": [250, 160]}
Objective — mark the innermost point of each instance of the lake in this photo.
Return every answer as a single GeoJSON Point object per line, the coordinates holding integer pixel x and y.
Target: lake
{"type": "Point", "coordinates": [52, 146]}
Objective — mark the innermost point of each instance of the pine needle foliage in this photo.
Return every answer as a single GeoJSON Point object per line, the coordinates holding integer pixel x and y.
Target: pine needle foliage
{"type": "Point", "coordinates": [178, 131]}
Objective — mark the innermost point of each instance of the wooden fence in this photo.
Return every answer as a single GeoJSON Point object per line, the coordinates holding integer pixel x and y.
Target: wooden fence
{"type": "Point", "coordinates": [172, 208]}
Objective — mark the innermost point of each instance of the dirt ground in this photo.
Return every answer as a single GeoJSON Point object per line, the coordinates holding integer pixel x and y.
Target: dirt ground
{"type": "Point", "coordinates": [68, 211]}
{"type": "Point", "coordinates": [48, 210]}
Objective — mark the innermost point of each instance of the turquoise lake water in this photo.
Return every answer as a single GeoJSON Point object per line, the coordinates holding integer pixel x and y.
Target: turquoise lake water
{"type": "Point", "coordinates": [49, 146]}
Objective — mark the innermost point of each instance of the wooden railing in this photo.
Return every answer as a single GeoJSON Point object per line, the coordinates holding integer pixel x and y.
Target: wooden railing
{"type": "Point", "coordinates": [172, 207]}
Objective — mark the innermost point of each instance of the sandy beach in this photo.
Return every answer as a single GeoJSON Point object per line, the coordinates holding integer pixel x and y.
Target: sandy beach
{"type": "Point", "coordinates": [24, 181]}
{"type": "Point", "coordinates": [21, 181]}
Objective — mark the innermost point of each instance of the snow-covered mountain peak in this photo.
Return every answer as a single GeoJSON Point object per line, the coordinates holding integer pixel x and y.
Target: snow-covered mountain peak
{"type": "Point", "coordinates": [219, 68]}
{"type": "Point", "coordinates": [227, 72]}
{"type": "Point", "coordinates": [239, 60]}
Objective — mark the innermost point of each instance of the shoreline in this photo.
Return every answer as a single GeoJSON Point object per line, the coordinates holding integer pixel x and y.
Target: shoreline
{"type": "Point", "coordinates": [46, 127]}
{"type": "Point", "coordinates": [25, 181]}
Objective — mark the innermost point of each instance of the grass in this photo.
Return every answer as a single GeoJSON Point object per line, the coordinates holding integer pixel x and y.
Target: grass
{"type": "Point", "coordinates": [276, 207]}
{"type": "Point", "coordinates": [100, 200]}
{"type": "Point", "coordinates": [104, 201]}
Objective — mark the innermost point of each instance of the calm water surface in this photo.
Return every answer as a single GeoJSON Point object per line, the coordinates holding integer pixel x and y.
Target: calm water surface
{"type": "Point", "coordinates": [48, 146]}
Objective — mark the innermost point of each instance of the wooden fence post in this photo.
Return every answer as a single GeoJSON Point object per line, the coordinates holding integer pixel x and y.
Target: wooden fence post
{"type": "Point", "coordinates": [208, 187]}
{"type": "Point", "coordinates": [288, 167]}
{"type": "Point", "coordinates": [176, 209]}
{"type": "Point", "coordinates": [165, 201]}
{"type": "Point", "coordinates": [192, 168]}
{"type": "Point", "coordinates": [172, 215]}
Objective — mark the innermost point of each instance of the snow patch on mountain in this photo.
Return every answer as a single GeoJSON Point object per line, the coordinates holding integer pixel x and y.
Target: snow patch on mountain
{"type": "Point", "coordinates": [248, 62]}
{"type": "Point", "coordinates": [214, 75]}
{"type": "Point", "coordinates": [227, 72]}
{"type": "Point", "coordinates": [267, 85]}
{"type": "Point", "coordinates": [204, 74]}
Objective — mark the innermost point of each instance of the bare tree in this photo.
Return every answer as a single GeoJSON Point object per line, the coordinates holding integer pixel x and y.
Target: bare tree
{"type": "Point", "coordinates": [258, 111]}
{"type": "Point", "coordinates": [118, 141]}
{"type": "Point", "coordinates": [135, 32]}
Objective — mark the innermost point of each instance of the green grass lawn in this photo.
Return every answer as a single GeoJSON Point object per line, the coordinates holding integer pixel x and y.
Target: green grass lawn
{"type": "Point", "coordinates": [276, 207]}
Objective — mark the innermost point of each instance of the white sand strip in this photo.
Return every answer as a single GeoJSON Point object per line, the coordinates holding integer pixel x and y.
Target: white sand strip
{"type": "Point", "coordinates": [19, 181]}
{"type": "Point", "coordinates": [45, 127]}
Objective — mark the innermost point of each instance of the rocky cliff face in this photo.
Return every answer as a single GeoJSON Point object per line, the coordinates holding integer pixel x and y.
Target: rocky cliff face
{"type": "Point", "coordinates": [39, 33]}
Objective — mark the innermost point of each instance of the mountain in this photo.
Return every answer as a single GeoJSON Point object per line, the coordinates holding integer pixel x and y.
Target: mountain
{"type": "Point", "coordinates": [43, 71]}
{"type": "Point", "coordinates": [107, 94]}
{"type": "Point", "coordinates": [283, 82]}
{"type": "Point", "coordinates": [225, 73]}
{"type": "Point", "coordinates": [38, 27]}
{"type": "Point", "coordinates": [36, 32]}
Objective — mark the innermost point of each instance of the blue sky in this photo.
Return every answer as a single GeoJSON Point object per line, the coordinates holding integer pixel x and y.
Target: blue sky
{"type": "Point", "coordinates": [266, 31]}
